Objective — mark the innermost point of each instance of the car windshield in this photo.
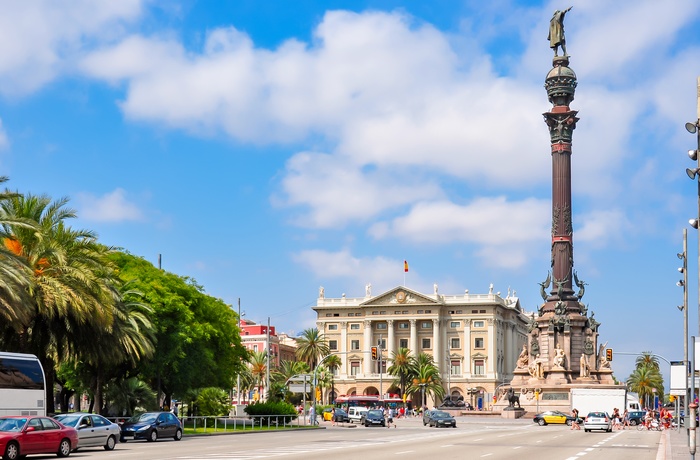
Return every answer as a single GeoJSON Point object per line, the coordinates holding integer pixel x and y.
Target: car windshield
{"type": "Point", "coordinates": [441, 415]}
{"type": "Point", "coordinates": [68, 420]}
{"type": "Point", "coordinates": [597, 414]}
{"type": "Point", "coordinates": [376, 413]}
{"type": "Point", "coordinates": [12, 424]}
{"type": "Point", "coordinates": [148, 417]}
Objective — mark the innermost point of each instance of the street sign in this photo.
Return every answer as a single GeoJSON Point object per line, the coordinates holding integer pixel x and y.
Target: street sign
{"type": "Point", "coordinates": [300, 383]}
{"type": "Point", "coordinates": [678, 378]}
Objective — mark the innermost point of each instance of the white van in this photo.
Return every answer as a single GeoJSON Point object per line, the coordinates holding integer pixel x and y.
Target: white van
{"type": "Point", "coordinates": [355, 413]}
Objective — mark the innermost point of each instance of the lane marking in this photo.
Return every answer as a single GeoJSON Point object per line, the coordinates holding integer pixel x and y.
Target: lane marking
{"type": "Point", "coordinates": [404, 452]}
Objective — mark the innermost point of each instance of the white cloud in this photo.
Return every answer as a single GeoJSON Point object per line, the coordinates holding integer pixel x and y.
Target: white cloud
{"type": "Point", "coordinates": [111, 207]}
{"type": "Point", "coordinates": [379, 271]}
{"type": "Point", "coordinates": [40, 39]}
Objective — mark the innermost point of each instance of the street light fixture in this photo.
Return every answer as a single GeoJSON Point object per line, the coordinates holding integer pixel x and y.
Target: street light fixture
{"type": "Point", "coordinates": [684, 308]}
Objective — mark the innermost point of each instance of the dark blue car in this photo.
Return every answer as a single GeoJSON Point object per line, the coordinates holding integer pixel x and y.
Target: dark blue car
{"type": "Point", "coordinates": [152, 426]}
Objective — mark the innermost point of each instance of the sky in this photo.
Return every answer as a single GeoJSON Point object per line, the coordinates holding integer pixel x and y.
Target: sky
{"type": "Point", "coordinates": [265, 149]}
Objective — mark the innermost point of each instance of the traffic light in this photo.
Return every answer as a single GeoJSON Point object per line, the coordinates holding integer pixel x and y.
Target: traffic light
{"type": "Point", "coordinates": [374, 354]}
{"type": "Point", "coordinates": [608, 354]}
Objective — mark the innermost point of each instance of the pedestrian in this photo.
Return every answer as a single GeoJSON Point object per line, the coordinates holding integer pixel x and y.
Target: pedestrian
{"type": "Point", "coordinates": [575, 423]}
{"type": "Point", "coordinates": [625, 419]}
{"type": "Point", "coordinates": [312, 415]}
{"type": "Point", "coordinates": [333, 417]}
{"type": "Point", "coordinates": [617, 424]}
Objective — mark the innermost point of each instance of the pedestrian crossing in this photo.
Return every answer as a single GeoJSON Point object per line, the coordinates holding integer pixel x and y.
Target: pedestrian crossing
{"type": "Point", "coordinates": [316, 447]}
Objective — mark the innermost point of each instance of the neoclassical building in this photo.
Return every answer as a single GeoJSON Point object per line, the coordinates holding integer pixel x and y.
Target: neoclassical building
{"type": "Point", "coordinates": [474, 339]}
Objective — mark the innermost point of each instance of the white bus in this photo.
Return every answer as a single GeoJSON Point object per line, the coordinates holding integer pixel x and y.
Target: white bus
{"type": "Point", "coordinates": [22, 385]}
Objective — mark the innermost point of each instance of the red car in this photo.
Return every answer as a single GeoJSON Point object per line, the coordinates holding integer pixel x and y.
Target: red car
{"type": "Point", "coordinates": [25, 435]}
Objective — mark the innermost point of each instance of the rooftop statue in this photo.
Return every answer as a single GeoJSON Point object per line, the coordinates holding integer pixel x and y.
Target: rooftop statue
{"type": "Point", "coordinates": [556, 31]}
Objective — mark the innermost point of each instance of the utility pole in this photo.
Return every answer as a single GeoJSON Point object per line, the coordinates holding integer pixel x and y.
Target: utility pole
{"type": "Point", "coordinates": [267, 367]}
{"type": "Point", "coordinates": [449, 371]}
{"type": "Point", "coordinates": [379, 349]}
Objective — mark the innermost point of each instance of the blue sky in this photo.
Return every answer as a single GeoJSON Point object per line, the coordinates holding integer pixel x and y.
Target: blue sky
{"type": "Point", "coordinates": [268, 148]}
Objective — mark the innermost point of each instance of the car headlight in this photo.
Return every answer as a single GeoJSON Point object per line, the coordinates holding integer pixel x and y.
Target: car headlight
{"type": "Point", "coordinates": [143, 428]}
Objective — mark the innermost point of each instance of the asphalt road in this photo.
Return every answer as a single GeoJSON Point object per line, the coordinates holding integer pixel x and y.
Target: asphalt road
{"type": "Point", "coordinates": [474, 438]}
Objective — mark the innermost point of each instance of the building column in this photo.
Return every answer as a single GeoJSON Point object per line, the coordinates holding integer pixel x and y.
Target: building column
{"type": "Point", "coordinates": [343, 349]}
{"type": "Point", "coordinates": [467, 347]}
{"type": "Point", "coordinates": [492, 349]}
{"type": "Point", "coordinates": [414, 338]}
{"type": "Point", "coordinates": [437, 355]}
{"type": "Point", "coordinates": [366, 347]}
{"type": "Point", "coordinates": [390, 340]}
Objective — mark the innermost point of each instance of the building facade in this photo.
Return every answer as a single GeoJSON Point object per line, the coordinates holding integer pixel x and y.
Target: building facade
{"type": "Point", "coordinates": [474, 339]}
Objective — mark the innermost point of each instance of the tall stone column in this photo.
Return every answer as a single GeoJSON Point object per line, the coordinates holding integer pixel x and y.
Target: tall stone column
{"type": "Point", "coordinates": [344, 348]}
{"type": "Point", "coordinates": [467, 346]}
{"type": "Point", "coordinates": [366, 346]}
{"type": "Point", "coordinates": [492, 349]}
{"type": "Point", "coordinates": [437, 355]}
{"type": "Point", "coordinates": [390, 340]}
{"type": "Point", "coordinates": [414, 338]}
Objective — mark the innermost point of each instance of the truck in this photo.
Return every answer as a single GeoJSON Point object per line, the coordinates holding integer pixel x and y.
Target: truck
{"type": "Point", "coordinates": [587, 400]}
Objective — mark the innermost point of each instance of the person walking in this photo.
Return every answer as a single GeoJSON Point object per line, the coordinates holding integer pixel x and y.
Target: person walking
{"type": "Point", "coordinates": [625, 419]}
{"type": "Point", "coordinates": [575, 424]}
{"type": "Point", "coordinates": [333, 421]}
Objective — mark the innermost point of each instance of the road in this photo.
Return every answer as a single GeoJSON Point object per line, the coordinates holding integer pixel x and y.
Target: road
{"type": "Point", "coordinates": [474, 438]}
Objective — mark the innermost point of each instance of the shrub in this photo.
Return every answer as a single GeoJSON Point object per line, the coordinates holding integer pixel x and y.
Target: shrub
{"type": "Point", "coordinates": [213, 401]}
{"type": "Point", "coordinates": [261, 412]}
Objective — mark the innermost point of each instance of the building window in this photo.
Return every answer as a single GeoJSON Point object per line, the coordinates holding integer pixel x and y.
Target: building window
{"type": "Point", "coordinates": [478, 367]}
{"type": "Point", "coordinates": [403, 325]}
{"type": "Point", "coordinates": [459, 312]}
{"type": "Point", "coordinates": [420, 312]}
{"type": "Point", "coordinates": [426, 324]}
{"type": "Point", "coordinates": [359, 314]}
{"type": "Point", "coordinates": [383, 312]}
{"type": "Point", "coordinates": [454, 343]}
{"type": "Point", "coordinates": [455, 368]}
{"type": "Point", "coordinates": [375, 312]}
{"type": "Point", "coordinates": [428, 311]}
{"type": "Point", "coordinates": [354, 344]}
{"type": "Point", "coordinates": [351, 314]}
{"type": "Point", "coordinates": [397, 312]}
{"type": "Point", "coordinates": [478, 342]}
{"type": "Point", "coordinates": [354, 327]}
{"type": "Point", "coordinates": [478, 324]}
{"type": "Point", "coordinates": [333, 344]}
{"type": "Point", "coordinates": [403, 343]}
{"type": "Point", "coordinates": [475, 311]}
{"type": "Point", "coordinates": [405, 312]}
{"type": "Point", "coordinates": [454, 324]}
{"type": "Point", "coordinates": [482, 311]}
{"type": "Point", "coordinates": [381, 325]}
{"type": "Point", "coordinates": [426, 343]}
{"type": "Point", "coordinates": [255, 348]}
{"type": "Point", "coordinates": [328, 314]}
{"type": "Point", "coordinates": [332, 327]}
{"type": "Point", "coordinates": [354, 367]}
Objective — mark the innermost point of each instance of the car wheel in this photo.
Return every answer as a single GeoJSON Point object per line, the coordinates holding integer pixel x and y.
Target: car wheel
{"type": "Point", "coordinates": [609, 430]}
{"type": "Point", "coordinates": [633, 422]}
{"type": "Point", "coordinates": [64, 448]}
{"type": "Point", "coordinates": [541, 422]}
{"type": "Point", "coordinates": [11, 451]}
{"type": "Point", "coordinates": [111, 442]}
{"type": "Point", "coordinates": [424, 423]}
{"type": "Point", "coordinates": [153, 436]}
{"type": "Point", "coordinates": [366, 425]}
{"type": "Point", "coordinates": [568, 423]}
{"type": "Point", "coordinates": [178, 434]}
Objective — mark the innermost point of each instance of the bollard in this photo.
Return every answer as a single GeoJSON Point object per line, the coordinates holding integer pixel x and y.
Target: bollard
{"type": "Point", "coordinates": [691, 433]}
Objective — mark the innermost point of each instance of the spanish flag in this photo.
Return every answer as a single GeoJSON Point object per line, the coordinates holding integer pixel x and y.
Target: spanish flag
{"type": "Point", "coordinates": [405, 266]}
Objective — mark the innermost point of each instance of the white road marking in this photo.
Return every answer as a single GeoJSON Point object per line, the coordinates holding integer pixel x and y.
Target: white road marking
{"type": "Point", "coordinates": [404, 452]}
{"type": "Point", "coordinates": [486, 455]}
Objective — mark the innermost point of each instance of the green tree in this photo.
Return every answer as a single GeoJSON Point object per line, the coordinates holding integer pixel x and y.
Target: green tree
{"type": "Point", "coordinates": [311, 347]}
{"type": "Point", "coordinates": [425, 378]}
{"type": "Point", "coordinates": [647, 359]}
{"type": "Point", "coordinates": [333, 363]}
{"type": "Point", "coordinates": [126, 395]}
{"type": "Point", "coordinates": [213, 401]}
{"type": "Point", "coordinates": [645, 381]}
{"type": "Point", "coordinates": [258, 368]}
{"type": "Point", "coordinates": [402, 364]}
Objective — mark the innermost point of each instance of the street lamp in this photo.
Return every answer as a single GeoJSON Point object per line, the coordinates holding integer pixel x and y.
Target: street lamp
{"type": "Point", "coordinates": [684, 308]}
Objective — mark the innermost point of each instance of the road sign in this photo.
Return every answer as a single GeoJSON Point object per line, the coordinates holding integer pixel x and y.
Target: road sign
{"type": "Point", "coordinates": [300, 383]}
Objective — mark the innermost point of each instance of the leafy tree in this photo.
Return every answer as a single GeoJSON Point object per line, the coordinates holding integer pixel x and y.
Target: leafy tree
{"type": "Point", "coordinates": [647, 359]}
{"type": "Point", "coordinates": [213, 401]}
{"type": "Point", "coordinates": [258, 368]}
{"type": "Point", "coordinates": [311, 347]}
{"type": "Point", "coordinates": [333, 362]}
{"type": "Point", "coordinates": [644, 380]}
{"type": "Point", "coordinates": [425, 378]}
{"type": "Point", "coordinates": [126, 395]}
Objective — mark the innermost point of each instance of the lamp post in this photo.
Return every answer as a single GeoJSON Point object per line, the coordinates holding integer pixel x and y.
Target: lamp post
{"type": "Point", "coordinates": [238, 382]}
{"type": "Point", "coordinates": [684, 308]}
{"type": "Point", "coordinates": [694, 128]}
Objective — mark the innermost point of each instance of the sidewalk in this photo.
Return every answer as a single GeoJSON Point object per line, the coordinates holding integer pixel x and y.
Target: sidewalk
{"type": "Point", "coordinates": [676, 445]}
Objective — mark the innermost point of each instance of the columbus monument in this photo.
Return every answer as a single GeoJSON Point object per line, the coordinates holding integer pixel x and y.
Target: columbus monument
{"type": "Point", "coordinates": [563, 350]}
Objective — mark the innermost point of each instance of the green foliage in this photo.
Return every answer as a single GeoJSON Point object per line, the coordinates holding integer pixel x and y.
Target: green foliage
{"type": "Point", "coordinates": [263, 413]}
{"type": "Point", "coordinates": [213, 401]}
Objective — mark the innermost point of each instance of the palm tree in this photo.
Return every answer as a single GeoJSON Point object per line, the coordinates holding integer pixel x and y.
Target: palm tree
{"type": "Point", "coordinates": [69, 280]}
{"type": "Point", "coordinates": [311, 346]}
{"type": "Point", "coordinates": [425, 377]}
{"type": "Point", "coordinates": [333, 362]}
{"type": "Point", "coordinates": [258, 368]}
{"type": "Point", "coordinates": [647, 359]}
{"type": "Point", "coordinates": [645, 381]}
{"type": "Point", "coordinates": [401, 364]}
{"type": "Point", "coordinates": [288, 369]}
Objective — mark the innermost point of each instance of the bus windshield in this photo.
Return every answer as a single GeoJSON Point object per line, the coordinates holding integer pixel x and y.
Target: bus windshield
{"type": "Point", "coordinates": [22, 385]}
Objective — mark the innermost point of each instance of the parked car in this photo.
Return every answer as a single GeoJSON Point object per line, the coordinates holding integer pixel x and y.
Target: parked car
{"type": "Point", "coordinates": [93, 430]}
{"type": "Point", "coordinates": [636, 417]}
{"type": "Point", "coordinates": [25, 435]}
{"type": "Point", "coordinates": [553, 416]}
{"type": "Point", "coordinates": [356, 414]}
{"type": "Point", "coordinates": [597, 421]}
{"type": "Point", "coordinates": [327, 414]}
{"type": "Point", "coordinates": [152, 426]}
{"type": "Point", "coordinates": [426, 416]}
{"type": "Point", "coordinates": [439, 418]}
{"type": "Point", "coordinates": [374, 417]}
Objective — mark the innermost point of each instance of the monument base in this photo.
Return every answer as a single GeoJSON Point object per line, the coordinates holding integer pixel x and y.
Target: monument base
{"type": "Point", "coordinates": [512, 412]}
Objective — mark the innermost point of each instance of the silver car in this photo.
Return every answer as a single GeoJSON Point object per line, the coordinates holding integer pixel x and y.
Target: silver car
{"type": "Point", "coordinates": [597, 421]}
{"type": "Point", "coordinates": [93, 430]}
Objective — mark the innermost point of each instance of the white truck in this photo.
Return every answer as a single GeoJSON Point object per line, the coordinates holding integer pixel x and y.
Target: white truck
{"type": "Point", "coordinates": [587, 400]}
